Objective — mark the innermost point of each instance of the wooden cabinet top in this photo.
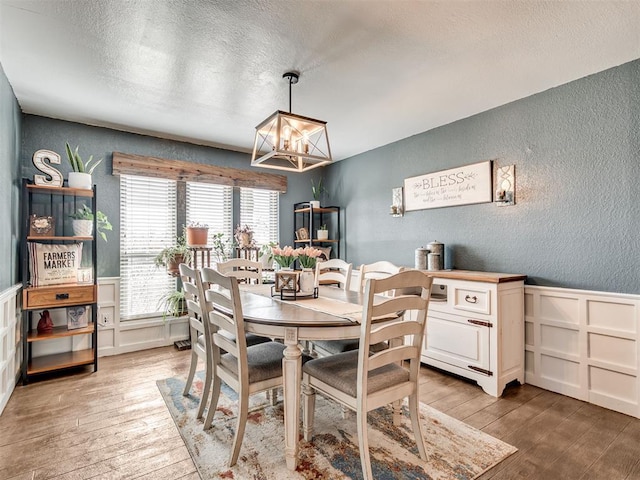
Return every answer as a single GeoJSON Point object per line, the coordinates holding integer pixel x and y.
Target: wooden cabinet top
{"type": "Point", "coordinates": [474, 276]}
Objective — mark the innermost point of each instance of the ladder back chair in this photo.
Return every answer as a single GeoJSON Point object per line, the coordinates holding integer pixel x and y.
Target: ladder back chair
{"type": "Point", "coordinates": [198, 332]}
{"type": "Point", "coordinates": [244, 270]}
{"type": "Point", "coordinates": [334, 271]}
{"type": "Point", "coordinates": [363, 381]}
{"type": "Point", "coordinates": [245, 369]}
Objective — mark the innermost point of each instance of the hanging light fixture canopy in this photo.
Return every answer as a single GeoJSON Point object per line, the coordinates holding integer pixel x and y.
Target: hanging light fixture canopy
{"type": "Point", "coordinates": [286, 141]}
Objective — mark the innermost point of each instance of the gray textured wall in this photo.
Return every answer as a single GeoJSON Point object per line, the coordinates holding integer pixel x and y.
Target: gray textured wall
{"type": "Point", "coordinates": [10, 122]}
{"type": "Point", "coordinates": [41, 132]}
{"type": "Point", "coordinates": [577, 220]}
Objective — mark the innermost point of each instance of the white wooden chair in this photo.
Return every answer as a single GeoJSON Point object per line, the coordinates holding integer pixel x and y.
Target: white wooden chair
{"type": "Point", "coordinates": [247, 370]}
{"type": "Point", "coordinates": [338, 272]}
{"type": "Point", "coordinates": [381, 269]}
{"type": "Point", "coordinates": [198, 333]}
{"type": "Point", "coordinates": [363, 381]}
{"type": "Point", "coordinates": [334, 271]}
{"type": "Point", "coordinates": [243, 269]}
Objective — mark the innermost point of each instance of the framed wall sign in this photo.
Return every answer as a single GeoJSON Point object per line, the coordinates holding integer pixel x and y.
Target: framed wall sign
{"type": "Point", "coordinates": [456, 186]}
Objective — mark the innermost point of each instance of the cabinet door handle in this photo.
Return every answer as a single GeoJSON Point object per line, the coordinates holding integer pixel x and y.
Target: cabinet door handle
{"type": "Point", "coordinates": [62, 296]}
{"type": "Point", "coordinates": [471, 299]}
{"type": "Point", "coordinates": [480, 322]}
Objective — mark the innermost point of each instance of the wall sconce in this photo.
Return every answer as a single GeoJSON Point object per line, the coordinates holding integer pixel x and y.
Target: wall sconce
{"type": "Point", "coordinates": [505, 186]}
{"type": "Point", "coordinates": [397, 207]}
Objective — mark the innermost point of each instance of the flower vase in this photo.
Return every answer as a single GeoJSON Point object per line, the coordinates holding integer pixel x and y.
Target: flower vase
{"type": "Point", "coordinates": [307, 281]}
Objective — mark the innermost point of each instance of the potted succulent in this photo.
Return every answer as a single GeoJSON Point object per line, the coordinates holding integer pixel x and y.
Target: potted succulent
{"type": "Point", "coordinates": [80, 176]}
{"type": "Point", "coordinates": [323, 232]}
{"type": "Point", "coordinates": [173, 305]}
{"type": "Point", "coordinates": [196, 234]}
{"type": "Point", "coordinates": [317, 190]}
{"type": "Point", "coordinates": [171, 257]}
{"type": "Point", "coordinates": [82, 223]}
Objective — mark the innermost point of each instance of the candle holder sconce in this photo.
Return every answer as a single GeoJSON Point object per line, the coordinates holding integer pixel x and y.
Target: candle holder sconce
{"type": "Point", "coordinates": [397, 206]}
{"type": "Point", "coordinates": [505, 186]}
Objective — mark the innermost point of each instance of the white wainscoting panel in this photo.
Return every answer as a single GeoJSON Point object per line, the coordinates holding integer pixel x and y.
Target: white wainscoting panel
{"type": "Point", "coordinates": [584, 344]}
{"type": "Point", "coordinates": [115, 336]}
{"type": "Point", "coordinates": [10, 342]}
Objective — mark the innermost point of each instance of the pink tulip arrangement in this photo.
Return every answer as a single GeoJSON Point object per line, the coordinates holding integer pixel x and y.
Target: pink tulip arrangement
{"type": "Point", "coordinates": [308, 256]}
{"type": "Point", "coordinates": [285, 256]}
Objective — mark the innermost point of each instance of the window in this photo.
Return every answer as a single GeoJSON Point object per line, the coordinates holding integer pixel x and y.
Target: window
{"type": "Point", "coordinates": [147, 225]}
{"type": "Point", "coordinates": [259, 210]}
{"type": "Point", "coordinates": [212, 205]}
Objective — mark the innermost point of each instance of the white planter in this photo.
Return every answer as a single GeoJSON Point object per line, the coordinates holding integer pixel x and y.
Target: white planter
{"type": "Point", "coordinates": [307, 281]}
{"type": "Point", "coordinates": [266, 263]}
{"type": "Point", "coordinates": [323, 234]}
{"type": "Point", "coordinates": [80, 180]}
{"type": "Point", "coordinates": [315, 203]}
{"type": "Point", "coordinates": [82, 228]}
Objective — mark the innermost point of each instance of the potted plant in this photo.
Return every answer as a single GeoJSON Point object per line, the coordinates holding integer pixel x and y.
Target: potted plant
{"type": "Point", "coordinates": [173, 304]}
{"type": "Point", "coordinates": [80, 176]}
{"type": "Point", "coordinates": [317, 190]}
{"type": "Point", "coordinates": [196, 234]}
{"type": "Point", "coordinates": [82, 223]}
{"type": "Point", "coordinates": [266, 255]}
{"type": "Point", "coordinates": [171, 257]}
{"type": "Point", "coordinates": [323, 232]}
{"type": "Point", "coordinates": [244, 236]}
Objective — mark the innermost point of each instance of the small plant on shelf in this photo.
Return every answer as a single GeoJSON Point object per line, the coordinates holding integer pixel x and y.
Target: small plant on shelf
{"type": "Point", "coordinates": [102, 222]}
{"type": "Point", "coordinates": [323, 232]}
{"type": "Point", "coordinates": [317, 189]}
{"type": "Point", "coordinates": [77, 165]}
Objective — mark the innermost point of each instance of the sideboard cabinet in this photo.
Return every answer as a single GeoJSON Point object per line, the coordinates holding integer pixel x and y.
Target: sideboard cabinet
{"type": "Point", "coordinates": [475, 327]}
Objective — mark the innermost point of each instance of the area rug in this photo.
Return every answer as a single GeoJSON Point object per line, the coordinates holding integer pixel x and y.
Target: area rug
{"type": "Point", "coordinates": [455, 450]}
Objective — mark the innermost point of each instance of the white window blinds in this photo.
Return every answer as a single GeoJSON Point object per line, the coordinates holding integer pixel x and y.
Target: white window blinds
{"type": "Point", "coordinates": [147, 225]}
{"type": "Point", "coordinates": [259, 209]}
{"type": "Point", "coordinates": [212, 205]}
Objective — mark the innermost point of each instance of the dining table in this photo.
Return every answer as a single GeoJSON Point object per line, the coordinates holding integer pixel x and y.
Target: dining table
{"type": "Point", "coordinates": [335, 314]}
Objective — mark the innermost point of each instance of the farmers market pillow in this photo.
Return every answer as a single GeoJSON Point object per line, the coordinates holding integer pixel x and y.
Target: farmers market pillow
{"type": "Point", "coordinates": [54, 264]}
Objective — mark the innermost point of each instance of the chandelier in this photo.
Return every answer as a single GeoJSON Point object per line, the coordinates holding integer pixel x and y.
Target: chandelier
{"type": "Point", "coordinates": [286, 141]}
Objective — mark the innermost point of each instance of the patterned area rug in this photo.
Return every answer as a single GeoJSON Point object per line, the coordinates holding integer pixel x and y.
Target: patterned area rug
{"type": "Point", "coordinates": [455, 450]}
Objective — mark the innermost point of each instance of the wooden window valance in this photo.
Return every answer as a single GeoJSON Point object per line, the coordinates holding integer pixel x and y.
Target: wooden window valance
{"type": "Point", "coordinates": [128, 164]}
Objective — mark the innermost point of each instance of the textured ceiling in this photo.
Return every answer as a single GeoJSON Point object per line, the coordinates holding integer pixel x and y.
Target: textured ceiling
{"type": "Point", "coordinates": [377, 71]}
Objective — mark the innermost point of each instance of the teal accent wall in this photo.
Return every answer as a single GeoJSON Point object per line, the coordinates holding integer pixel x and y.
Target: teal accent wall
{"type": "Point", "coordinates": [10, 128]}
{"type": "Point", "coordinates": [577, 220]}
{"type": "Point", "coordinates": [41, 132]}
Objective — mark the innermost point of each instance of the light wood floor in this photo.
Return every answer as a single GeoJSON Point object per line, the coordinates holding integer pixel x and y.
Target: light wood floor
{"type": "Point", "coordinates": [114, 424]}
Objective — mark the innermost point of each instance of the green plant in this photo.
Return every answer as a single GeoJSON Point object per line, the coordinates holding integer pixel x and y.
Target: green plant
{"type": "Point", "coordinates": [173, 304]}
{"type": "Point", "coordinates": [102, 222]}
{"type": "Point", "coordinates": [323, 227]}
{"type": "Point", "coordinates": [169, 254]}
{"type": "Point", "coordinates": [267, 249]}
{"type": "Point", "coordinates": [77, 165]}
{"type": "Point", "coordinates": [317, 190]}
{"type": "Point", "coordinates": [221, 247]}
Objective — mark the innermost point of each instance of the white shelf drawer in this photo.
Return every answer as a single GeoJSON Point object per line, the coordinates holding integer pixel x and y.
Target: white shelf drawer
{"type": "Point", "coordinates": [471, 299]}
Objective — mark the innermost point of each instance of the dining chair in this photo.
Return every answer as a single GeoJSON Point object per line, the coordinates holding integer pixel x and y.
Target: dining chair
{"type": "Point", "coordinates": [198, 333]}
{"type": "Point", "coordinates": [363, 381]}
{"type": "Point", "coordinates": [334, 271]}
{"type": "Point", "coordinates": [245, 369]}
{"type": "Point", "coordinates": [379, 269]}
{"type": "Point", "coordinates": [243, 269]}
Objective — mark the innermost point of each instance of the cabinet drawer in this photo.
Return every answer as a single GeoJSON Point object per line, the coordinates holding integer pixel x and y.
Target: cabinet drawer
{"type": "Point", "coordinates": [57, 296]}
{"type": "Point", "coordinates": [472, 299]}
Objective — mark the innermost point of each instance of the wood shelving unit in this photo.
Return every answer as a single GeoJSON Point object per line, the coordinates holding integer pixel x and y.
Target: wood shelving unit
{"type": "Point", "coordinates": [59, 203]}
{"type": "Point", "coordinates": [304, 215]}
